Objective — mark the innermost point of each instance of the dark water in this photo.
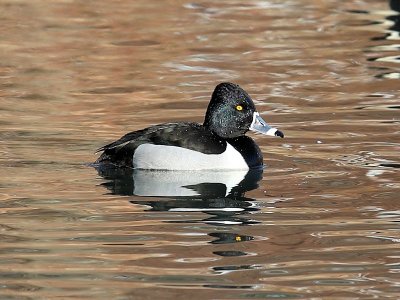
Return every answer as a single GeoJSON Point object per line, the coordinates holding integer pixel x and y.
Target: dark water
{"type": "Point", "coordinates": [321, 221]}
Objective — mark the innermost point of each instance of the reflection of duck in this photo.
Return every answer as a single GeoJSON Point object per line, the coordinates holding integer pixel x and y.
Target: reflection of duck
{"type": "Point", "coordinates": [391, 33]}
{"type": "Point", "coordinates": [218, 144]}
{"type": "Point", "coordinates": [188, 184]}
{"type": "Point", "coordinates": [394, 5]}
{"type": "Point", "coordinates": [227, 238]}
{"type": "Point", "coordinates": [394, 29]}
{"type": "Point", "coordinates": [216, 193]}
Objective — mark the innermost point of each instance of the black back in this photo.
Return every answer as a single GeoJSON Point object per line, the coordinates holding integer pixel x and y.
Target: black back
{"type": "Point", "coordinates": [191, 136]}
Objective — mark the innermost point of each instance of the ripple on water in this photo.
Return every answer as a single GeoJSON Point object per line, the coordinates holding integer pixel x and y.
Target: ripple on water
{"type": "Point", "coordinates": [322, 221]}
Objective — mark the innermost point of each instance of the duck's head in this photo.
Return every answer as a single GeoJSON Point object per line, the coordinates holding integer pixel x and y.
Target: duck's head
{"type": "Point", "coordinates": [231, 113]}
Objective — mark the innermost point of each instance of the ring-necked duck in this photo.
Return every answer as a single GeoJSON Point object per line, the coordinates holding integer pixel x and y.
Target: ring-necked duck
{"type": "Point", "coordinates": [220, 143]}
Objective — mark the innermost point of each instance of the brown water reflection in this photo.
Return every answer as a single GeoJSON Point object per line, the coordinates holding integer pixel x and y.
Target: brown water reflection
{"type": "Point", "coordinates": [322, 223]}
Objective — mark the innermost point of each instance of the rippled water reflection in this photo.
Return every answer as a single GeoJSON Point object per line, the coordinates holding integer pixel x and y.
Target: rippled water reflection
{"type": "Point", "coordinates": [321, 221]}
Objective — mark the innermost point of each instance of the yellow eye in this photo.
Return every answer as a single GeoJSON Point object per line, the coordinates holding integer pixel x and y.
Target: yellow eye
{"type": "Point", "coordinates": [239, 107]}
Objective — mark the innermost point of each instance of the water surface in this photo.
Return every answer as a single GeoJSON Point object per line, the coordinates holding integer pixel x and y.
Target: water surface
{"type": "Point", "coordinates": [321, 220]}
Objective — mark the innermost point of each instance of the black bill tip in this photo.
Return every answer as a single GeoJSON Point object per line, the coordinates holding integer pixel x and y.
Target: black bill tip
{"type": "Point", "coordinates": [279, 133]}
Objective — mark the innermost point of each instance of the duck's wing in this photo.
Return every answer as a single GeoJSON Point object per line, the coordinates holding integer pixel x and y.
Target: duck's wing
{"type": "Point", "coordinates": [191, 136]}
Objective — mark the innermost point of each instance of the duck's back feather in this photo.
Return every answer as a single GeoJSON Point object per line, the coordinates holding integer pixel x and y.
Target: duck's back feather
{"type": "Point", "coordinates": [191, 136]}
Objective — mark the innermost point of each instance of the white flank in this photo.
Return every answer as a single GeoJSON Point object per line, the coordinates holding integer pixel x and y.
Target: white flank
{"type": "Point", "coordinates": [160, 157]}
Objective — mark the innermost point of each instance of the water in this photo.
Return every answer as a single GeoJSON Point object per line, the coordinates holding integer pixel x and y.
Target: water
{"type": "Point", "coordinates": [323, 222]}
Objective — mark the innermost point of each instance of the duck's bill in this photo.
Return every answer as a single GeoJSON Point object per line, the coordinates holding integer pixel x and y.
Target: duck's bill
{"type": "Point", "coordinates": [260, 126]}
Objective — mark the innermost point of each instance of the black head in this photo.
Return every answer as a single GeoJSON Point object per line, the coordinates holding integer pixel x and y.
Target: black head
{"type": "Point", "coordinates": [230, 112]}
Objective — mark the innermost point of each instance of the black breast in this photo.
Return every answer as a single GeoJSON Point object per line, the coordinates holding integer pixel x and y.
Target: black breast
{"type": "Point", "coordinates": [249, 150]}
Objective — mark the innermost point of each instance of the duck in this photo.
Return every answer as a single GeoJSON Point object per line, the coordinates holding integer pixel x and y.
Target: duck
{"type": "Point", "coordinates": [220, 143]}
